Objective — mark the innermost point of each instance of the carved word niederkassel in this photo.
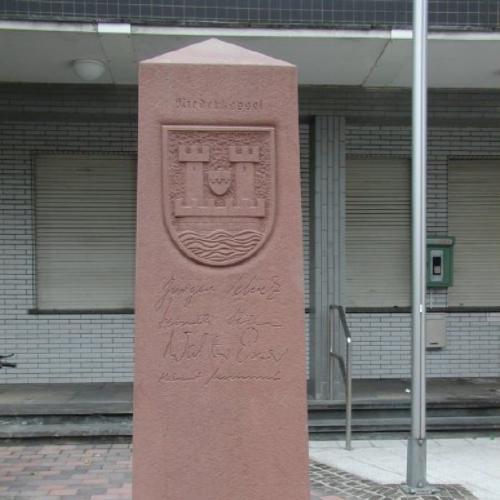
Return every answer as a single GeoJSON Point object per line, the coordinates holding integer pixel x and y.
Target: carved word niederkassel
{"type": "Point", "coordinates": [217, 104]}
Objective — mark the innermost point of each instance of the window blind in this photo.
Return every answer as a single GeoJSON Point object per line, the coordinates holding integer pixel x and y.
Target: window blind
{"type": "Point", "coordinates": [378, 232]}
{"type": "Point", "coordinates": [474, 221]}
{"type": "Point", "coordinates": [85, 231]}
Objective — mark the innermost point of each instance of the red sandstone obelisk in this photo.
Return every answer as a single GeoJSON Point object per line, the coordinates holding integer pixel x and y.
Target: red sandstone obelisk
{"type": "Point", "coordinates": [219, 393]}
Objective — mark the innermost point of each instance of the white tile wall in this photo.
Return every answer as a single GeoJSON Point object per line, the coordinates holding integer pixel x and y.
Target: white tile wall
{"type": "Point", "coordinates": [462, 124]}
{"type": "Point", "coordinates": [96, 347]}
{"type": "Point", "coordinates": [55, 348]}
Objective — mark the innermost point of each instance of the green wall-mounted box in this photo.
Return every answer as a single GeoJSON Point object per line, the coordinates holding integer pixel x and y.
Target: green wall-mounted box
{"type": "Point", "coordinates": [440, 261]}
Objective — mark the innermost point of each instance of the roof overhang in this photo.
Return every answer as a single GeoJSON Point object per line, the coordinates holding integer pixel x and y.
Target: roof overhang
{"type": "Point", "coordinates": [44, 52]}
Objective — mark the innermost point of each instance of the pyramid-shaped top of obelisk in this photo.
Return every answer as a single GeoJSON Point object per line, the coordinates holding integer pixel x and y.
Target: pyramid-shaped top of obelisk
{"type": "Point", "coordinates": [214, 51]}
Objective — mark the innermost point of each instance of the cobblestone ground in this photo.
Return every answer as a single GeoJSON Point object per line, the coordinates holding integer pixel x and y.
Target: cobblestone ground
{"type": "Point", "coordinates": [101, 471]}
{"type": "Point", "coordinates": [328, 483]}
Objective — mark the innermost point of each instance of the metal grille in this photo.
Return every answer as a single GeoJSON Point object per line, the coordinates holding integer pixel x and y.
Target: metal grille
{"type": "Point", "coordinates": [482, 14]}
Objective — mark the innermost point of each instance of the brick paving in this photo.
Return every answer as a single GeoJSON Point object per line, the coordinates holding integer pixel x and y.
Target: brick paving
{"type": "Point", "coordinates": [101, 471]}
{"type": "Point", "coordinates": [328, 483]}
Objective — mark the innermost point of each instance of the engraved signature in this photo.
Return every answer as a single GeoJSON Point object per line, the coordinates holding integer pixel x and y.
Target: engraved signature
{"type": "Point", "coordinates": [183, 292]}
{"type": "Point", "coordinates": [219, 374]}
{"type": "Point", "coordinates": [199, 320]}
{"type": "Point", "coordinates": [252, 285]}
{"type": "Point", "coordinates": [185, 345]}
{"type": "Point", "coordinates": [174, 377]}
{"type": "Point", "coordinates": [243, 318]}
{"type": "Point", "coordinates": [188, 346]}
{"type": "Point", "coordinates": [208, 346]}
{"type": "Point", "coordinates": [249, 350]}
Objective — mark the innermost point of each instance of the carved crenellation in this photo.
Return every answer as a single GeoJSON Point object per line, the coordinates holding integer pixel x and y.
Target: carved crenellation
{"type": "Point", "coordinates": [244, 154]}
{"type": "Point", "coordinates": [245, 202]}
{"type": "Point", "coordinates": [196, 154]}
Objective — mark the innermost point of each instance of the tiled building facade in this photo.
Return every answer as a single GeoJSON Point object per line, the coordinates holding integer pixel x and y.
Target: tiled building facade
{"type": "Point", "coordinates": [84, 346]}
{"type": "Point", "coordinates": [353, 122]}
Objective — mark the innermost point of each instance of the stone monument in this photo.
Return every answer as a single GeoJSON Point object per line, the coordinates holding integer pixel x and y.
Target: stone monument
{"type": "Point", "coordinates": [219, 396]}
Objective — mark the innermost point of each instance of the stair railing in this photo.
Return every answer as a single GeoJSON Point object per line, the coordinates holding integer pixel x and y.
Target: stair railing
{"type": "Point", "coordinates": [345, 365]}
{"type": "Point", "coordinates": [4, 364]}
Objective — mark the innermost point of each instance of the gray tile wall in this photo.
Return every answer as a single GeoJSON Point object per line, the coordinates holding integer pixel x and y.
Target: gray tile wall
{"type": "Point", "coordinates": [96, 347]}
{"type": "Point", "coordinates": [463, 124]}
{"type": "Point", "coordinates": [382, 341]}
{"type": "Point", "coordinates": [55, 348]}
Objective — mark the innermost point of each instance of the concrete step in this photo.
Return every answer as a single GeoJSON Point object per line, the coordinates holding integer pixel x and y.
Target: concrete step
{"type": "Point", "coordinates": [391, 424]}
{"type": "Point", "coordinates": [396, 416]}
{"type": "Point", "coordinates": [323, 418]}
{"type": "Point", "coordinates": [66, 425]}
{"type": "Point", "coordinates": [105, 409]}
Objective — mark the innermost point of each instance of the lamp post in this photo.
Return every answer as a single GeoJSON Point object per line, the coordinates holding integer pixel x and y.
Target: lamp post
{"type": "Point", "coordinates": [416, 481]}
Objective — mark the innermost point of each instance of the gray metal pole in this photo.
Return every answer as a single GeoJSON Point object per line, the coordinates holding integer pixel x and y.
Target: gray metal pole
{"type": "Point", "coordinates": [417, 451]}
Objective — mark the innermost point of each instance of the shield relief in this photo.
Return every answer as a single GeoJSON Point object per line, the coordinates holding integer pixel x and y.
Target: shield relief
{"type": "Point", "coordinates": [219, 181]}
{"type": "Point", "coordinates": [218, 190]}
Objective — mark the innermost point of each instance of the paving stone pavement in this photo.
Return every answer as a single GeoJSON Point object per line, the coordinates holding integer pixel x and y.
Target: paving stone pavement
{"type": "Point", "coordinates": [101, 471]}
{"type": "Point", "coordinates": [328, 483]}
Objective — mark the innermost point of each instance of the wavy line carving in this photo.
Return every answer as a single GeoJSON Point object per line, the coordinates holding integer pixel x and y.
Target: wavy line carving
{"type": "Point", "coordinates": [220, 246]}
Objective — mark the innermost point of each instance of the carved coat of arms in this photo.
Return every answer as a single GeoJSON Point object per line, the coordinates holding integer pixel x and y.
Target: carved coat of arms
{"type": "Point", "coordinates": [218, 190]}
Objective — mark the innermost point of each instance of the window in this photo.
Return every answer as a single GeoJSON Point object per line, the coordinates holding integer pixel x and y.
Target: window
{"type": "Point", "coordinates": [474, 220]}
{"type": "Point", "coordinates": [378, 232]}
{"type": "Point", "coordinates": [85, 231]}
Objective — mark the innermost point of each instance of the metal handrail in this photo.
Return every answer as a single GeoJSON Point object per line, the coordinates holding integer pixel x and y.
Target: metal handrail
{"type": "Point", "coordinates": [3, 364]}
{"type": "Point", "coordinates": [345, 366]}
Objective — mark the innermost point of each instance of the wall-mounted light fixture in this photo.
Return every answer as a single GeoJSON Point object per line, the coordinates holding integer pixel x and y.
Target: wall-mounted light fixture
{"type": "Point", "coordinates": [88, 69]}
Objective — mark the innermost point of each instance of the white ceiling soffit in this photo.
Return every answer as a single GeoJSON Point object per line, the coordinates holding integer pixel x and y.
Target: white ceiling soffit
{"type": "Point", "coordinates": [323, 57]}
{"type": "Point", "coordinates": [43, 52]}
{"type": "Point", "coordinates": [456, 60]}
